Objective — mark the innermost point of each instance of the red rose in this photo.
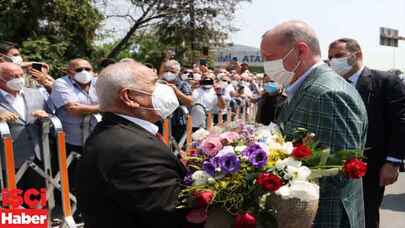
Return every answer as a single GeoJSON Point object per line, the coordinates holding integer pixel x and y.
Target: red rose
{"type": "Point", "coordinates": [246, 220]}
{"type": "Point", "coordinates": [355, 168]}
{"type": "Point", "coordinates": [302, 152]}
{"type": "Point", "coordinates": [203, 198]}
{"type": "Point", "coordinates": [269, 182]}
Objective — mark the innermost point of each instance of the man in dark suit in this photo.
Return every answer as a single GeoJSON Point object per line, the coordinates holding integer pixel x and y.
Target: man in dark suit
{"type": "Point", "coordinates": [127, 176]}
{"type": "Point", "coordinates": [384, 97]}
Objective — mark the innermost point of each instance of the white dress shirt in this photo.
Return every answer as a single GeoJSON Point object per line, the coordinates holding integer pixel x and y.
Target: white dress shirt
{"type": "Point", "coordinates": [17, 102]}
{"type": "Point", "coordinates": [148, 126]}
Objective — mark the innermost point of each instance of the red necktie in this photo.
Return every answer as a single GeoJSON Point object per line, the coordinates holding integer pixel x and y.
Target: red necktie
{"type": "Point", "coordinates": [160, 137]}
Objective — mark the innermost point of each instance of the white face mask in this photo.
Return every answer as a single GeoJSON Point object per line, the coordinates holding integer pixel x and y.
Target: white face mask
{"type": "Point", "coordinates": [276, 70]}
{"type": "Point", "coordinates": [16, 84]}
{"type": "Point", "coordinates": [184, 77]}
{"type": "Point", "coordinates": [207, 87]}
{"type": "Point", "coordinates": [164, 100]}
{"type": "Point", "coordinates": [197, 77]}
{"type": "Point", "coordinates": [169, 76]}
{"type": "Point", "coordinates": [83, 77]}
{"type": "Point", "coordinates": [16, 59]}
{"type": "Point", "coordinates": [341, 65]}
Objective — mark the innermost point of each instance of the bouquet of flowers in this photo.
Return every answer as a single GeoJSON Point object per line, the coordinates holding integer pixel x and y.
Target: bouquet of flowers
{"type": "Point", "coordinates": [248, 171]}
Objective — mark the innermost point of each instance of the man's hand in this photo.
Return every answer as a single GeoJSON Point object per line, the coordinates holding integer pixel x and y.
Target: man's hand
{"type": "Point", "coordinates": [175, 89]}
{"type": "Point", "coordinates": [40, 114]}
{"type": "Point", "coordinates": [72, 108]}
{"type": "Point", "coordinates": [8, 116]}
{"type": "Point", "coordinates": [388, 174]}
{"type": "Point", "coordinates": [38, 75]}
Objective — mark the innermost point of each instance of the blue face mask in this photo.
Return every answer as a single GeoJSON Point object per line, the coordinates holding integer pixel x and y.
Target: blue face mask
{"type": "Point", "coordinates": [271, 87]}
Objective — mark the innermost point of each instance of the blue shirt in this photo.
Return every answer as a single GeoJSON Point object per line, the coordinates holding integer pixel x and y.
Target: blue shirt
{"type": "Point", "coordinates": [67, 90]}
{"type": "Point", "coordinates": [355, 77]}
{"type": "Point", "coordinates": [293, 88]}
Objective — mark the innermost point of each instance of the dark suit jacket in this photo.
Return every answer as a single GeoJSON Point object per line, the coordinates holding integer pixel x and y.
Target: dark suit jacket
{"type": "Point", "coordinates": [384, 96]}
{"type": "Point", "coordinates": [128, 178]}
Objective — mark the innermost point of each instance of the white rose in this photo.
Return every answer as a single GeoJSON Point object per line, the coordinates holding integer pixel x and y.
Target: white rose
{"type": "Point", "coordinates": [200, 134]}
{"type": "Point", "coordinates": [276, 145]}
{"type": "Point", "coordinates": [287, 148]}
{"type": "Point", "coordinates": [299, 173]}
{"type": "Point", "coordinates": [200, 177]}
{"type": "Point", "coordinates": [290, 161]}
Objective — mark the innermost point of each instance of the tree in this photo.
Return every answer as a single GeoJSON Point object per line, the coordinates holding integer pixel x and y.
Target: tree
{"type": "Point", "coordinates": [180, 22]}
{"type": "Point", "coordinates": [201, 23]}
{"type": "Point", "coordinates": [66, 27]}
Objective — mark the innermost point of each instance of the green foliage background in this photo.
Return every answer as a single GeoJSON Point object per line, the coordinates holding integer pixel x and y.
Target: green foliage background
{"type": "Point", "coordinates": [56, 31]}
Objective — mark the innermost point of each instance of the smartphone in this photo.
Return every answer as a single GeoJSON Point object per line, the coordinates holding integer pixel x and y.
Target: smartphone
{"type": "Point", "coordinates": [37, 66]}
{"type": "Point", "coordinates": [204, 62]}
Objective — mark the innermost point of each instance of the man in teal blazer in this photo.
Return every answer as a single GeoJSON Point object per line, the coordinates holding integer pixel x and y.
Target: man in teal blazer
{"type": "Point", "coordinates": [325, 104]}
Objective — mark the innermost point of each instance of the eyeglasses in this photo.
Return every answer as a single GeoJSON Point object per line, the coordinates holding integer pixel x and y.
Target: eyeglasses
{"type": "Point", "coordinates": [82, 68]}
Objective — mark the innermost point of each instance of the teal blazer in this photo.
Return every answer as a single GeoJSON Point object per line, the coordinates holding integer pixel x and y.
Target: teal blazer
{"type": "Point", "coordinates": [331, 108]}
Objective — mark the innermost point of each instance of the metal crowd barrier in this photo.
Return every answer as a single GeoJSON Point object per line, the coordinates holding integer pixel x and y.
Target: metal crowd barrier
{"type": "Point", "coordinates": [50, 125]}
{"type": "Point", "coordinates": [11, 182]}
{"type": "Point", "coordinates": [62, 178]}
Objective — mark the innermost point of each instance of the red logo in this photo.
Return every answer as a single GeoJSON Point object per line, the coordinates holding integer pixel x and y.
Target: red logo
{"type": "Point", "coordinates": [16, 216]}
{"type": "Point", "coordinates": [23, 218]}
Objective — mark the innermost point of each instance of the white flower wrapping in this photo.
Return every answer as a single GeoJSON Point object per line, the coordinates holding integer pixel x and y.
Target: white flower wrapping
{"type": "Point", "coordinates": [302, 190]}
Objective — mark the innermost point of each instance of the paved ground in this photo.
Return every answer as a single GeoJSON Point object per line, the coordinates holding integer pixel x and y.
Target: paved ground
{"type": "Point", "coordinates": [393, 207]}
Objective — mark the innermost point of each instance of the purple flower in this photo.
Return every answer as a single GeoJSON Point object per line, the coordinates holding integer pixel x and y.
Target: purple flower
{"type": "Point", "coordinates": [258, 158]}
{"type": "Point", "coordinates": [188, 180]}
{"type": "Point", "coordinates": [229, 163]}
{"type": "Point", "coordinates": [209, 167]}
{"type": "Point", "coordinates": [250, 149]}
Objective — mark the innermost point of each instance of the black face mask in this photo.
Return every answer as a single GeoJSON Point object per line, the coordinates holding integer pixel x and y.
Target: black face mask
{"type": "Point", "coordinates": [206, 82]}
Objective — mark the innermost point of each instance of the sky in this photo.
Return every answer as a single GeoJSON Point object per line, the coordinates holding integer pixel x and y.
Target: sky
{"type": "Point", "coordinates": [331, 19]}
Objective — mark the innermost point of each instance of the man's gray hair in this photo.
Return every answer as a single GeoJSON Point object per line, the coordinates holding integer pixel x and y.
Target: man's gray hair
{"type": "Point", "coordinates": [300, 31]}
{"type": "Point", "coordinates": [172, 63]}
{"type": "Point", "coordinates": [111, 80]}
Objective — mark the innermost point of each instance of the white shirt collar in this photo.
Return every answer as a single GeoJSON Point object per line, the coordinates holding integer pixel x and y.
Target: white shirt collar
{"type": "Point", "coordinates": [355, 77]}
{"type": "Point", "coordinates": [148, 126]}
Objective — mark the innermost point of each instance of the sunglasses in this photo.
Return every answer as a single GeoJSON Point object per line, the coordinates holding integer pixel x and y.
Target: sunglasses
{"type": "Point", "coordinates": [82, 68]}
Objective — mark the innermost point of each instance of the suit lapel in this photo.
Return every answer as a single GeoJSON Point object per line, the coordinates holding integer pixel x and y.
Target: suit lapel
{"type": "Point", "coordinates": [365, 85]}
{"type": "Point", "coordinates": [298, 96]}
{"type": "Point", "coordinates": [110, 117]}
{"type": "Point", "coordinates": [5, 104]}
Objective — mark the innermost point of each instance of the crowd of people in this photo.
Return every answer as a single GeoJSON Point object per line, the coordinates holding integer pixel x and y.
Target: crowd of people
{"type": "Point", "coordinates": [133, 181]}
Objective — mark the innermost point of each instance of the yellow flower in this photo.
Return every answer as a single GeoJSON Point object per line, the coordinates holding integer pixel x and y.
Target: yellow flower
{"type": "Point", "coordinates": [274, 156]}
